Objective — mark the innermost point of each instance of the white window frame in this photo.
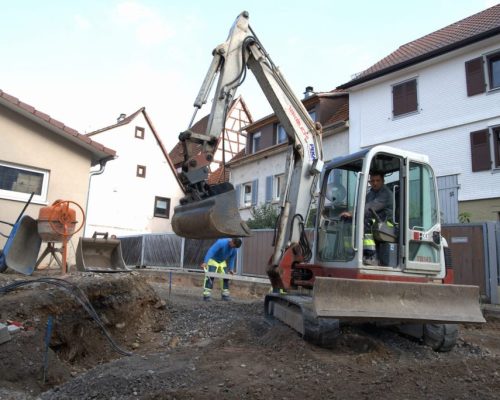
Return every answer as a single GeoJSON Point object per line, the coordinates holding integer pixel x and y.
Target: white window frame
{"type": "Point", "coordinates": [281, 131]}
{"type": "Point", "coordinates": [487, 64]}
{"type": "Point", "coordinates": [312, 115]}
{"type": "Point", "coordinates": [255, 136]}
{"type": "Point", "coordinates": [246, 195]}
{"type": "Point", "coordinates": [277, 187]}
{"type": "Point", "coordinates": [21, 196]}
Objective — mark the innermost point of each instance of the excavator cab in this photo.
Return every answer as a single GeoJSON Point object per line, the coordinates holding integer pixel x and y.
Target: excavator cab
{"type": "Point", "coordinates": [405, 231]}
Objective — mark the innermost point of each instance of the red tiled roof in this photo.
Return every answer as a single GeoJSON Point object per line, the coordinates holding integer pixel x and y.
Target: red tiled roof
{"type": "Point", "coordinates": [459, 34]}
{"type": "Point", "coordinates": [220, 175]}
{"type": "Point", "coordinates": [341, 115]}
{"type": "Point", "coordinates": [98, 151]}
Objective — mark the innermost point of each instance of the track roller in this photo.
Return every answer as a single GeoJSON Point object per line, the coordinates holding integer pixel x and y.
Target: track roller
{"type": "Point", "coordinates": [297, 312]}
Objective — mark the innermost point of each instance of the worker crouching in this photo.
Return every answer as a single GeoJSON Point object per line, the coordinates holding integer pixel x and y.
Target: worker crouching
{"type": "Point", "coordinates": [220, 257]}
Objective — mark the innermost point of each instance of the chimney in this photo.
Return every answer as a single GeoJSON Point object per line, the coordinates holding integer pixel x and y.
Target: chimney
{"type": "Point", "coordinates": [121, 117]}
{"type": "Point", "coordinates": [309, 92]}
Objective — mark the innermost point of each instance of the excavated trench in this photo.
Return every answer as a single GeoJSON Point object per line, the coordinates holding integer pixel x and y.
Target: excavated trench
{"type": "Point", "coordinates": [112, 315]}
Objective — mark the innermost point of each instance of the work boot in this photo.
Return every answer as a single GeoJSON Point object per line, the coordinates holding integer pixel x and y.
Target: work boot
{"type": "Point", "coordinates": [207, 298]}
{"type": "Point", "coordinates": [226, 298]}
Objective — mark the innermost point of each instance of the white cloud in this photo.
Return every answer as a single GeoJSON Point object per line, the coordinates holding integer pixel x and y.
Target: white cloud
{"type": "Point", "coordinates": [149, 26]}
{"type": "Point", "coordinates": [82, 22]}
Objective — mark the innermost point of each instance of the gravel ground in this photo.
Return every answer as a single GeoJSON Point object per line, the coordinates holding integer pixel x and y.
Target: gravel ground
{"type": "Point", "coordinates": [227, 350]}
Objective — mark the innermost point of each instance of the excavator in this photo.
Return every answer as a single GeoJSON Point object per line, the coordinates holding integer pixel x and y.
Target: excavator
{"type": "Point", "coordinates": [394, 271]}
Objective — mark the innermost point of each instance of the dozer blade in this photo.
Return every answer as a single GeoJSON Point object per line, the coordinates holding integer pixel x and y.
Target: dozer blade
{"type": "Point", "coordinates": [352, 299]}
{"type": "Point", "coordinates": [211, 218]}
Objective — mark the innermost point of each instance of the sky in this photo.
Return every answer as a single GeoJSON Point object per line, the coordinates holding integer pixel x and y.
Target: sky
{"type": "Point", "coordinates": [86, 62]}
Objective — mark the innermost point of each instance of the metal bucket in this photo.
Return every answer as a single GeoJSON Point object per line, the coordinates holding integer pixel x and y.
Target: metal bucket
{"type": "Point", "coordinates": [211, 218]}
{"type": "Point", "coordinates": [352, 299]}
{"type": "Point", "coordinates": [99, 255]}
{"type": "Point", "coordinates": [23, 245]}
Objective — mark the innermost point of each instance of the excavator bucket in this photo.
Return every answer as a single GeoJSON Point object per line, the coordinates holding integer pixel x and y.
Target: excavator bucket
{"type": "Point", "coordinates": [358, 300]}
{"type": "Point", "coordinates": [211, 218]}
{"type": "Point", "coordinates": [99, 255]}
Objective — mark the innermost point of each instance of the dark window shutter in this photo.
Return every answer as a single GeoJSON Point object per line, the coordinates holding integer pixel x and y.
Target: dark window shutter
{"type": "Point", "coordinates": [480, 150]}
{"type": "Point", "coordinates": [269, 189]}
{"type": "Point", "coordinates": [404, 97]}
{"type": "Point", "coordinates": [474, 75]}
{"type": "Point", "coordinates": [238, 195]}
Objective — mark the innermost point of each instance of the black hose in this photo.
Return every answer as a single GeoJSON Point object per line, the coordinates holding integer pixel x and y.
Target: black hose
{"type": "Point", "coordinates": [79, 295]}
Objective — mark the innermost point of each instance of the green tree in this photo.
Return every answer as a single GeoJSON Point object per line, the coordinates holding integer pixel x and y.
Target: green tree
{"type": "Point", "coordinates": [263, 216]}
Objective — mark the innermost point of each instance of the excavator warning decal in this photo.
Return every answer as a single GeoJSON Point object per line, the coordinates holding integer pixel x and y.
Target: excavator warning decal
{"type": "Point", "coordinates": [420, 236]}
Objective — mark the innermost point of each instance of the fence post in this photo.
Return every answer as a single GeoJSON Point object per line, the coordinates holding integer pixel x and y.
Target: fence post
{"type": "Point", "coordinates": [183, 241]}
{"type": "Point", "coordinates": [239, 259]}
{"type": "Point", "coordinates": [492, 261]}
{"type": "Point", "coordinates": [142, 250]}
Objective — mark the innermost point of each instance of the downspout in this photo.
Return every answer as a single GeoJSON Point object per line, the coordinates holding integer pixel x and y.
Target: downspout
{"type": "Point", "coordinates": [102, 164]}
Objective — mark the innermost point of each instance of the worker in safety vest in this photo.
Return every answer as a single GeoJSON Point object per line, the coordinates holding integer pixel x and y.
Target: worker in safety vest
{"type": "Point", "coordinates": [220, 256]}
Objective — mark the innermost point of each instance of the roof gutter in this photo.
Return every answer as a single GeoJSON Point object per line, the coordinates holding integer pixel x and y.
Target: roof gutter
{"type": "Point", "coordinates": [422, 58]}
{"type": "Point", "coordinates": [102, 167]}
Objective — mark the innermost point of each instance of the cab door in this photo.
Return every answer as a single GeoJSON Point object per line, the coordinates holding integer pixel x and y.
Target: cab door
{"type": "Point", "coordinates": [422, 220]}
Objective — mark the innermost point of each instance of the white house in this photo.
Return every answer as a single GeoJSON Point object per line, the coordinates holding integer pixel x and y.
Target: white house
{"type": "Point", "coordinates": [440, 95]}
{"type": "Point", "coordinates": [135, 194]}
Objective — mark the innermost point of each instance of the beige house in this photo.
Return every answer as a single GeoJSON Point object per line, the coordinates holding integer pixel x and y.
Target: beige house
{"type": "Point", "coordinates": [136, 194]}
{"type": "Point", "coordinates": [42, 155]}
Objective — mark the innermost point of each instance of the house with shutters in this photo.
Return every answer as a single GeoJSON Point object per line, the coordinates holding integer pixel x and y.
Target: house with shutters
{"type": "Point", "coordinates": [258, 171]}
{"type": "Point", "coordinates": [440, 95]}
{"type": "Point", "coordinates": [136, 195]}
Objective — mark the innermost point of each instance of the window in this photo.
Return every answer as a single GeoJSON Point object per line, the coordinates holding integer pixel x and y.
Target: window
{"type": "Point", "coordinates": [475, 74]}
{"type": "Point", "coordinates": [278, 186]}
{"type": "Point", "coordinates": [255, 142]}
{"type": "Point", "coordinates": [312, 114]}
{"type": "Point", "coordinates": [281, 136]}
{"type": "Point", "coordinates": [139, 132]}
{"type": "Point", "coordinates": [404, 98]}
{"type": "Point", "coordinates": [274, 186]}
{"type": "Point", "coordinates": [494, 70]}
{"type": "Point", "coordinates": [17, 183]}
{"type": "Point", "coordinates": [141, 171]}
{"type": "Point", "coordinates": [485, 149]}
{"type": "Point", "coordinates": [162, 207]}
{"type": "Point", "coordinates": [249, 193]}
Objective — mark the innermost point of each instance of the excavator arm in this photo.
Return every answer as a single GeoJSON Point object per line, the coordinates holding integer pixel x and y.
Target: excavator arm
{"type": "Point", "coordinates": [212, 211]}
